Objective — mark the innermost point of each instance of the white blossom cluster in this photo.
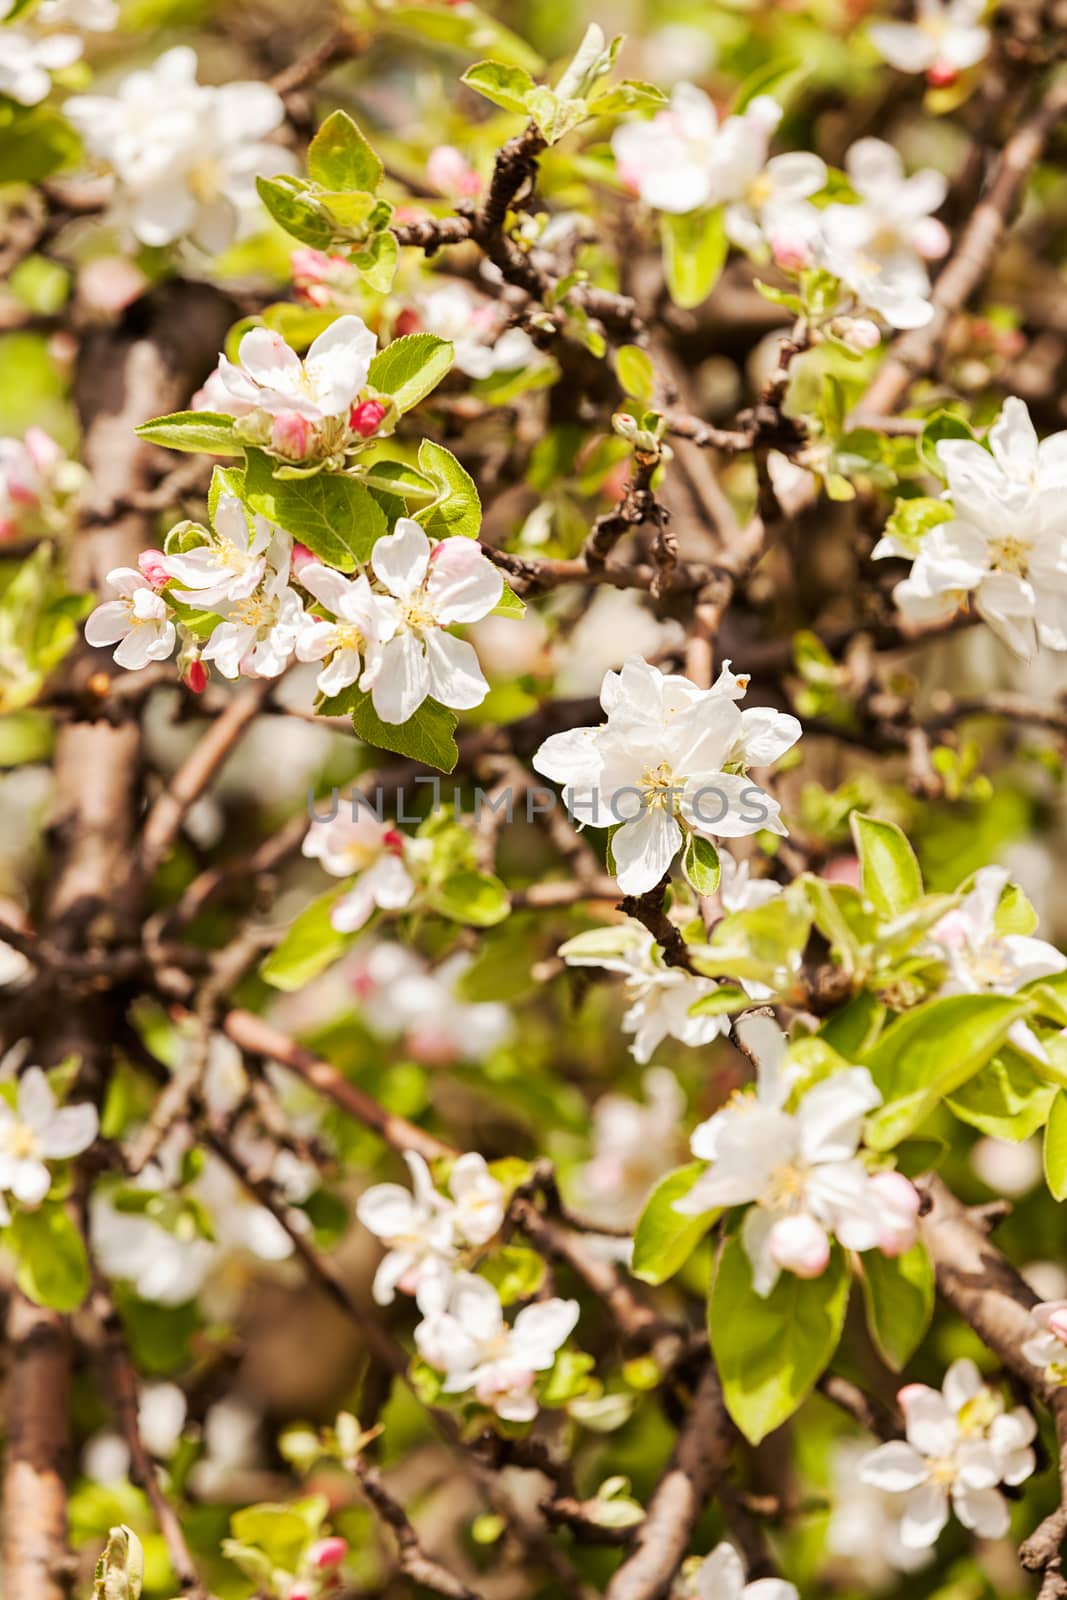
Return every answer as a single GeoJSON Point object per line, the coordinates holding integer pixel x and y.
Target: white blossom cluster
{"type": "Point", "coordinates": [184, 155]}
{"type": "Point", "coordinates": [463, 1333]}
{"type": "Point", "coordinates": [945, 39]}
{"type": "Point", "coordinates": [799, 1170]}
{"type": "Point", "coordinates": [33, 1132]}
{"type": "Point", "coordinates": [669, 763]}
{"type": "Point", "coordinates": [684, 159]}
{"type": "Point", "coordinates": [47, 40]}
{"type": "Point", "coordinates": [38, 486]}
{"type": "Point", "coordinates": [1004, 547]}
{"type": "Point", "coordinates": [962, 1444]}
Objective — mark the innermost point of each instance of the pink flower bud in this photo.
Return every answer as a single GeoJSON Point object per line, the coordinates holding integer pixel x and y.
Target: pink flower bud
{"type": "Point", "coordinates": [290, 435]}
{"type": "Point", "coordinates": [196, 676]}
{"type": "Point", "coordinates": [408, 321]}
{"type": "Point", "coordinates": [365, 417]}
{"type": "Point", "coordinates": [314, 265]}
{"type": "Point", "coordinates": [393, 841]}
{"type": "Point", "coordinates": [42, 449]}
{"type": "Point", "coordinates": [791, 252]}
{"type": "Point", "coordinates": [941, 75]}
{"type": "Point", "coordinates": [301, 556]}
{"type": "Point", "coordinates": [800, 1245]}
{"type": "Point", "coordinates": [151, 565]}
{"type": "Point", "coordinates": [449, 170]}
{"type": "Point", "coordinates": [1057, 1324]}
{"type": "Point", "coordinates": [898, 1202]}
{"type": "Point", "coordinates": [328, 1552]}
{"type": "Point", "coordinates": [931, 238]}
{"type": "Point", "coordinates": [842, 869]}
{"type": "Point", "coordinates": [300, 1591]}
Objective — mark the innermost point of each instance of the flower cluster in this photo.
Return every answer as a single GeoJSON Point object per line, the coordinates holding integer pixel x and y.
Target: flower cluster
{"type": "Point", "coordinates": [374, 852]}
{"type": "Point", "coordinates": [463, 1333]}
{"type": "Point", "coordinates": [38, 486]}
{"type": "Point", "coordinates": [961, 1445]}
{"type": "Point", "coordinates": [685, 158]}
{"type": "Point", "coordinates": [477, 328]}
{"type": "Point", "coordinates": [184, 155]}
{"type": "Point", "coordinates": [34, 1132]}
{"type": "Point", "coordinates": [44, 40]}
{"type": "Point", "coordinates": [1004, 547]}
{"type": "Point", "coordinates": [793, 1157]}
{"type": "Point", "coordinates": [668, 764]}
{"type": "Point", "coordinates": [634, 1144]}
{"type": "Point", "coordinates": [390, 639]}
{"type": "Point", "coordinates": [945, 39]}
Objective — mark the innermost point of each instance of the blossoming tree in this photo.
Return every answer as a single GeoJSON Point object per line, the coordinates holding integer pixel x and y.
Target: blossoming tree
{"type": "Point", "coordinates": [529, 1068]}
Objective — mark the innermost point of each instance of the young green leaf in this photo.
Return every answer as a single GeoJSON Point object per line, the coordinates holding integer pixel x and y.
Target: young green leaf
{"type": "Point", "coordinates": [293, 211]}
{"type": "Point", "coordinates": [701, 865]}
{"type": "Point", "coordinates": [770, 1351]}
{"type": "Point", "coordinates": [209, 432]}
{"type": "Point", "coordinates": [889, 870]}
{"type": "Point", "coordinates": [664, 1240]}
{"type": "Point", "coordinates": [941, 426]}
{"type": "Point", "coordinates": [898, 1294]}
{"type": "Point", "coordinates": [457, 509]}
{"type": "Point", "coordinates": [51, 1265]}
{"type": "Point", "coordinates": [333, 514]}
{"type": "Point", "coordinates": [1006, 1100]}
{"type": "Point", "coordinates": [695, 247]}
{"type": "Point", "coordinates": [340, 158]}
{"type": "Point", "coordinates": [475, 898]}
{"type": "Point", "coordinates": [636, 372]}
{"type": "Point", "coordinates": [507, 87]}
{"type": "Point", "coordinates": [311, 943]}
{"type": "Point", "coordinates": [428, 736]}
{"type": "Point", "coordinates": [409, 367]}
{"type": "Point", "coordinates": [1056, 1147]}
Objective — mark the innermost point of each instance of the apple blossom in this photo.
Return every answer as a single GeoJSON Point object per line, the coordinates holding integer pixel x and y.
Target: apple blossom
{"type": "Point", "coordinates": [945, 39]}
{"type": "Point", "coordinates": [477, 328]}
{"type": "Point", "coordinates": [660, 997]}
{"type": "Point", "coordinates": [470, 1342]}
{"type": "Point", "coordinates": [684, 158]}
{"type": "Point", "coordinates": [89, 16]}
{"type": "Point", "coordinates": [449, 171]}
{"type": "Point", "coordinates": [424, 1232]}
{"type": "Point", "coordinates": [635, 1142]}
{"type": "Point", "coordinates": [35, 1132]}
{"type": "Point", "coordinates": [863, 1535]}
{"type": "Point", "coordinates": [433, 584]}
{"type": "Point", "coordinates": [232, 561]}
{"type": "Point", "coordinates": [477, 1199]}
{"type": "Point", "coordinates": [349, 639]}
{"type": "Point", "coordinates": [37, 484]}
{"type": "Point", "coordinates": [27, 61]}
{"type": "Point", "coordinates": [372, 850]}
{"type": "Point", "coordinates": [800, 1171]}
{"type": "Point", "coordinates": [1046, 1347]}
{"type": "Point", "coordinates": [981, 960]}
{"type": "Point", "coordinates": [721, 1576]}
{"type": "Point", "coordinates": [401, 996]}
{"type": "Point", "coordinates": [668, 763]}
{"type": "Point", "coordinates": [322, 387]}
{"type": "Point", "coordinates": [771, 211]}
{"type": "Point", "coordinates": [138, 621]}
{"type": "Point", "coordinates": [898, 210]}
{"type": "Point", "coordinates": [1006, 547]}
{"type": "Point", "coordinates": [961, 1445]}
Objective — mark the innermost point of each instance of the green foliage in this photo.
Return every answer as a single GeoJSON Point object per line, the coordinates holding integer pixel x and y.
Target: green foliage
{"type": "Point", "coordinates": [333, 514]}
{"type": "Point", "coordinates": [898, 1295]}
{"type": "Point", "coordinates": [1056, 1147]}
{"type": "Point", "coordinates": [889, 871]}
{"type": "Point", "coordinates": [311, 944]}
{"type": "Point", "coordinates": [912, 520]}
{"type": "Point", "coordinates": [408, 368]}
{"type": "Point", "coordinates": [456, 508]}
{"type": "Point", "coordinates": [943, 425]}
{"type": "Point", "coordinates": [663, 1239]}
{"type": "Point", "coordinates": [51, 1265]}
{"type": "Point", "coordinates": [207, 432]}
{"type": "Point", "coordinates": [39, 625]}
{"type": "Point", "coordinates": [695, 248]}
{"type": "Point", "coordinates": [701, 864]}
{"type": "Point", "coordinates": [770, 1351]}
{"type": "Point", "coordinates": [119, 1573]}
{"type": "Point", "coordinates": [35, 142]}
{"type": "Point", "coordinates": [339, 157]}
{"type": "Point", "coordinates": [427, 737]}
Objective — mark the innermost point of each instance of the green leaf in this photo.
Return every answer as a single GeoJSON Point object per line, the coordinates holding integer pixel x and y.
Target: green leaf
{"type": "Point", "coordinates": [941, 426]}
{"type": "Point", "coordinates": [701, 865]}
{"type": "Point", "coordinates": [853, 1030]}
{"type": "Point", "coordinates": [770, 1351]}
{"type": "Point", "coordinates": [281, 1532]}
{"type": "Point", "coordinates": [516, 1273]}
{"type": "Point", "coordinates": [889, 870]}
{"type": "Point", "coordinates": [378, 260]}
{"type": "Point", "coordinates": [505, 86]}
{"type": "Point", "coordinates": [476, 898]}
{"type": "Point", "coordinates": [333, 514]}
{"type": "Point", "coordinates": [52, 1268]}
{"type": "Point", "coordinates": [1056, 1148]}
{"type": "Point", "coordinates": [339, 157]}
{"type": "Point", "coordinates": [898, 1294]}
{"type": "Point", "coordinates": [207, 431]}
{"type": "Point", "coordinates": [119, 1573]}
{"type": "Point", "coordinates": [509, 604]}
{"type": "Point", "coordinates": [773, 78]}
{"type": "Point", "coordinates": [1006, 1100]}
{"type": "Point", "coordinates": [628, 95]}
{"type": "Point", "coordinates": [428, 736]}
{"type": "Point", "coordinates": [723, 1000]}
{"type": "Point", "coordinates": [34, 143]}
{"type": "Point", "coordinates": [410, 367]}
{"type": "Point", "coordinates": [931, 1052]}
{"type": "Point", "coordinates": [311, 943]}
{"type": "Point", "coordinates": [636, 372]}
{"type": "Point", "coordinates": [912, 519]}
{"type": "Point", "coordinates": [457, 509]}
{"type": "Point", "coordinates": [664, 1240]}
{"type": "Point", "coordinates": [297, 214]}
{"type": "Point", "coordinates": [695, 247]}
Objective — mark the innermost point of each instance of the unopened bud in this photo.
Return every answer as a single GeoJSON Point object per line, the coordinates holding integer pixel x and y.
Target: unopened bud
{"type": "Point", "coordinates": [941, 75]}
{"type": "Point", "coordinates": [407, 321]}
{"type": "Point", "coordinates": [150, 563]}
{"type": "Point", "coordinates": [858, 333]}
{"type": "Point", "coordinates": [791, 253]}
{"type": "Point", "coordinates": [195, 678]}
{"type": "Point", "coordinates": [366, 416]}
{"type": "Point", "coordinates": [328, 1552]}
{"type": "Point", "coordinates": [290, 435]}
{"type": "Point", "coordinates": [301, 556]}
{"type": "Point", "coordinates": [1057, 1324]}
{"type": "Point", "coordinates": [800, 1245]}
{"type": "Point", "coordinates": [931, 238]}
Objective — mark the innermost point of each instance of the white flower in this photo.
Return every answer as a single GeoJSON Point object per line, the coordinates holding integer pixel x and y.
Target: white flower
{"type": "Point", "coordinates": [721, 1576]}
{"type": "Point", "coordinates": [258, 635]}
{"type": "Point", "coordinates": [684, 158]}
{"type": "Point", "coordinates": [983, 961]}
{"type": "Point", "coordinates": [27, 62]}
{"type": "Point", "coordinates": [1047, 1345]}
{"type": "Point", "coordinates": [738, 890]}
{"type": "Point", "coordinates": [185, 155]}
{"type": "Point", "coordinates": [945, 38]}
{"type": "Point", "coordinates": [165, 1268]}
{"type": "Point", "coordinates": [373, 850]}
{"type": "Point", "coordinates": [90, 16]}
{"type": "Point", "coordinates": [897, 211]}
{"type": "Point", "coordinates": [139, 622]}
{"type": "Point", "coordinates": [270, 377]}
{"type": "Point", "coordinates": [897, 289]}
{"type": "Point", "coordinates": [864, 1530]}
{"type": "Point", "coordinates": [231, 565]}
{"type": "Point", "coordinates": [483, 344]}
{"type": "Point", "coordinates": [799, 1171]}
{"type": "Point", "coordinates": [416, 1227]}
{"type": "Point", "coordinates": [401, 996]}
{"type": "Point", "coordinates": [37, 1132]}
{"type": "Point", "coordinates": [477, 1200]}
{"type": "Point", "coordinates": [772, 207]}
{"type": "Point", "coordinates": [665, 764]}
{"type": "Point", "coordinates": [354, 634]}
{"type": "Point", "coordinates": [961, 1443]}
{"type": "Point", "coordinates": [634, 1144]}
{"type": "Point", "coordinates": [660, 996]}
{"type": "Point", "coordinates": [1007, 545]}
{"type": "Point", "coordinates": [432, 585]}
{"type": "Point", "coordinates": [31, 470]}
{"type": "Point", "coordinates": [476, 1349]}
